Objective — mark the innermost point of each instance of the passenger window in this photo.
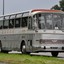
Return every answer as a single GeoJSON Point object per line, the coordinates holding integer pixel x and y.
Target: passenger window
{"type": "Point", "coordinates": [11, 23]}
{"type": "Point", "coordinates": [1, 24]}
{"type": "Point", "coordinates": [17, 23]}
{"type": "Point", "coordinates": [30, 23]}
{"type": "Point", "coordinates": [6, 24]}
{"type": "Point", "coordinates": [24, 22]}
{"type": "Point", "coordinates": [63, 22]}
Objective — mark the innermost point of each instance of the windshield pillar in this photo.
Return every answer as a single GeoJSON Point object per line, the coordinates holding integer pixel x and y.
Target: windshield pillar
{"type": "Point", "coordinates": [35, 23]}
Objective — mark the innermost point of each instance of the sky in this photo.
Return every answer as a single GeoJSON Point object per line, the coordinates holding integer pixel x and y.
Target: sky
{"type": "Point", "coordinates": [13, 6]}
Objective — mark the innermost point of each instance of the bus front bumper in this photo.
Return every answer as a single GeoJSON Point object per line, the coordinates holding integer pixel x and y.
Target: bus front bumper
{"type": "Point", "coordinates": [48, 49]}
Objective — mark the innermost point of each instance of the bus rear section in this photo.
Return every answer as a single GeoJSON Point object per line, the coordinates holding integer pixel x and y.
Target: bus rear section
{"type": "Point", "coordinates": [49, 42]}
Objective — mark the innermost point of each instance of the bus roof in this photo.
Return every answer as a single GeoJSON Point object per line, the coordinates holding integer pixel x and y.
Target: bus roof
{"type": "Point", "coordinates": [34, 11]}
{"type": "Point", "coordinates": [45, 10]}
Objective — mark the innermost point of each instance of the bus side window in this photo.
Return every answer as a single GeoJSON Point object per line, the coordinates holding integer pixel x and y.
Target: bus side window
{"type": "Point", "coordinates": [11, 23]}
{"type": "Point", "coordinates": [6, 24]}
{"type": "Point", "coordinates": [30, 23]}
{"type": "Point", "coordinates": [1, 24]}
{"type": "Point", "coordinates": [17, 23]}
{"type": "Point", "coordinates": [24, 22]}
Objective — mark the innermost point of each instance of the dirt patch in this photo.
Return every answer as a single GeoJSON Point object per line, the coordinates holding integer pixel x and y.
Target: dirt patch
{"type": "Point", "coordinates": [3, 63]}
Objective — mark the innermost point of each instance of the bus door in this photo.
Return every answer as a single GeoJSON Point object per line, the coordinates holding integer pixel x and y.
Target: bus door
{"type": "Point", "coordinates": [30, 37]}
{"type": "Point", "coordinates": [29, 23]}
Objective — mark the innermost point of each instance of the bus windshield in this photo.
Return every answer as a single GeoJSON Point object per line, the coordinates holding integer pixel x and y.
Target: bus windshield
{"type": "Point", "coordinates": [49, 20]}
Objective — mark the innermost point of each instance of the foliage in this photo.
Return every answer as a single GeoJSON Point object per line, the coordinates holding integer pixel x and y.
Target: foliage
{"type": "Point", "coordinates": [56, 7]}
{"type": "Point", "coordinates": [60, 6]}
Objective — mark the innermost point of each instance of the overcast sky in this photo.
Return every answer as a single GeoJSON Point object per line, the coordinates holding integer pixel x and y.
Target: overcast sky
{"type": "Point", "coordinates": [12, 6]}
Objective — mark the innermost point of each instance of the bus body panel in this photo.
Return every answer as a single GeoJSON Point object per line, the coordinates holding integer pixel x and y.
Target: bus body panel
{"type": "Point", "coordinates": [50, 39]}
{"type": "Point", "coordinates": [45, 41]}
{"type": "Point", "coordinates": [11, 39]}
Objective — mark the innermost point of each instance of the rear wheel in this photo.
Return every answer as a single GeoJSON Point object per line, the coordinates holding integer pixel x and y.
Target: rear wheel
{"type": "Point", "coordinates": [54, 54]}
{"type": "Point", "coordinates": [23, 48]}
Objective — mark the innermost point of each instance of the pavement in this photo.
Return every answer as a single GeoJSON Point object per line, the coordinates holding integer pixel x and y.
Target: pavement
{"type": "Point", "coordinates": [60, 55]}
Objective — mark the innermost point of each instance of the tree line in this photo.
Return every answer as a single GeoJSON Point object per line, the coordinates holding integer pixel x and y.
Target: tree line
{"type": "Point", "coordinates": [60, 6]}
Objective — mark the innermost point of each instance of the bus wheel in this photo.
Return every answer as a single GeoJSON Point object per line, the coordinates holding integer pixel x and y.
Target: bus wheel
{"type": "Point", "coordinates": [54, 54]}
{"type": "Point", "coordinates": [23, 49]}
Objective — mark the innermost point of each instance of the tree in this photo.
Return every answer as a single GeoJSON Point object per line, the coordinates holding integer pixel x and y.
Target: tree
{"type": "Point", "coordinates": [60, 7]}
{"type": "Point", "coordinates": [56, 7]}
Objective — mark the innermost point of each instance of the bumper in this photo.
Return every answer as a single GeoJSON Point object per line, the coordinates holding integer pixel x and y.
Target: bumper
{"type": "Point", "coordinates": [48, 49]}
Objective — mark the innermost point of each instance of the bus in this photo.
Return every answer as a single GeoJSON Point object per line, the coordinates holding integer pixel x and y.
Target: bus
{"type": "Point", "coordinates": [37, 30]}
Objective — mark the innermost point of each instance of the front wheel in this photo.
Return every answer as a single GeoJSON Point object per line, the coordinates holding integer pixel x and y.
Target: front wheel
{"type": "Point", "coordinates": [54, 54]}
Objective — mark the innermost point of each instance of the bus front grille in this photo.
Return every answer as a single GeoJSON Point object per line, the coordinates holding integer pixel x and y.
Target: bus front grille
{"type": "Point", "coordinates": [52, 41]}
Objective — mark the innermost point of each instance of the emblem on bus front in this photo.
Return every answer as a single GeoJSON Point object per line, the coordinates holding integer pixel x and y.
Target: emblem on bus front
{"type": "Point", "coordinates": [54, 40]}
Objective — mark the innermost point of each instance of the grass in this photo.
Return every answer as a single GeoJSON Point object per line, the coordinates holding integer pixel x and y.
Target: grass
{"type": "Point", "coordinates": [27, 59]}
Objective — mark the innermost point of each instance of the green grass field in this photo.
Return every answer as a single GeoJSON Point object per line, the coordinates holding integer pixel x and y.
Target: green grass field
{"type": "Point", "coordinates": [28, 59]}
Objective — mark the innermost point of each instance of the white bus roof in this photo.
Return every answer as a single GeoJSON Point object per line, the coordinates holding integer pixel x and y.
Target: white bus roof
{"type": "Point", "coordinates": [14, 13]}
{"type": "Point", "coordinates": [34, 11]}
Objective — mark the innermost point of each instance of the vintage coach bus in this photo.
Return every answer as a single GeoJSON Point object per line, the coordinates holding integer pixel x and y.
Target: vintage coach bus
{"type": "Point", "coordinates": [37, 30]}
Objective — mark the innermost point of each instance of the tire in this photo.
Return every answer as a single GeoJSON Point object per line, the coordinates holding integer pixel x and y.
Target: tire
{"type": "Point", "coordinates": [27, 52]}
{"type": "Point", "coordinates": [23, 49]}
{"type": "Point", "coordinates": [54, 54]}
